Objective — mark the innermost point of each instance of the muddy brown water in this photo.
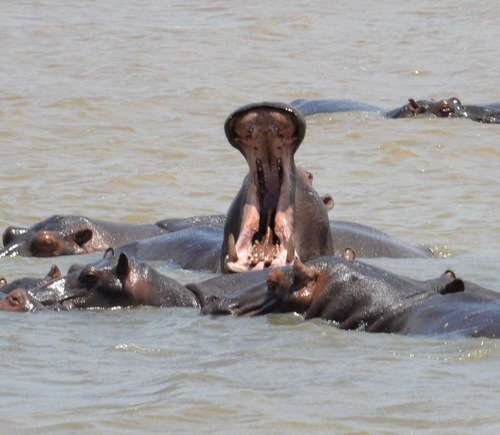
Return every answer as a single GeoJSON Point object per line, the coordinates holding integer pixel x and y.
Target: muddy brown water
{"type": "Point", "coordinates": [115, 110]}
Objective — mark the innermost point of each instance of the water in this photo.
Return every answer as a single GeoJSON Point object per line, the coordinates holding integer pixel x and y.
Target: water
{"type": "Point", "coordinates": [115, 111]}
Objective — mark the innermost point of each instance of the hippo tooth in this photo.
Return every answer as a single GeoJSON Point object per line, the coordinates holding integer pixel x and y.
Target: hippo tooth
{"type": "Point", "coordinates": [231, 248]}
{"type": "Point", "coordinates": [290, 255]}
{"type": "Point", "coordinates": [349, 254]}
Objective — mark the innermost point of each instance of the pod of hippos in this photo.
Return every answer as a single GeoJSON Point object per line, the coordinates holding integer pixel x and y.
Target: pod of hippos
{"type": "Point", "coordinates": [274, 251]}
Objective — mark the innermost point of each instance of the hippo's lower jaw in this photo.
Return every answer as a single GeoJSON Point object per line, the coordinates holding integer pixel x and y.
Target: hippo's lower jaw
{"type": "Point", "coordinates": [274, 249]}
{"type": "Point", "coordinates": [259, 257]}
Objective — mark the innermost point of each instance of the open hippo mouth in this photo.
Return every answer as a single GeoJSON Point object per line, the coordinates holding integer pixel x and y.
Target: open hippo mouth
{"type": "Point", "coordinates": [268, 135]}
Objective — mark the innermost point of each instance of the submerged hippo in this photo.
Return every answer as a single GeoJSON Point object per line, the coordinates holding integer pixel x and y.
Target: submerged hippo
{"type": "Point", "coordinates": [363, 297]}
{"type": "Point", "coordinates": [119, 281]}
{"type": "Point", "coordinates": [28, 283]}
{"type": "Point", "coordinates": [70, 235]}
{"type": "Point", "coordinates": [276, 216]}
{"type": "Point", "coordinates": [309, 107]}
{"type": "Point", "coordinates": [115, 281]}
{"type": "Point", "coordinates": [195, 248]}
{"type": "Point", "coordinates": [446, 108]}
{"type": "Point", "coordinates": [199, 247]}
{"type": "Point", "coordinates": [21, 301]}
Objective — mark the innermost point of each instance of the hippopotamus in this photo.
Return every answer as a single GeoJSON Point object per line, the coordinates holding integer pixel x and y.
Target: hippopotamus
{"type": "Point", "coordinates": [28, 283]}
{"type": "Point", "coordinates": [276, 216]}
{"type": "Point", "coordinates": [446, 108]}
{"type": "Point", "coordinates": [357, 296]}
{"type": "Point", "coordinates": [449, 283]}
{"type": "Point", "coordinates": [119, 281]}
{"type": "Point", "coordinates": [199, 247]}
{"type": "Point", "coordinates": [309, 107]}
{"type": "Point", "coordinates": [218, 221]}
{"type": "Point", "coordinates": [70, 235]}
{"type": "Point", "coordinates": [177, 224]}
{"type": "Point", "coordinates": [19, 300]}
{"type": "Point", "coordinates": [369, 242]}
{"type": "Point", "coordinates": [195, 248]}
{"type": "Point", "coordinates": [115, 281]}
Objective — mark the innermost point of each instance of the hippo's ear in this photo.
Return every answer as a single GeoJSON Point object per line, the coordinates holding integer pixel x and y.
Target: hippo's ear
{"type": "Point", "coordinates": [450, 273]}
{"type": "Point", "coordinates": [456, 286]}
{"type": "Point", "coordinates": [122, 267]}
{"type": "Point", "coordinates": [54, 273]}
{"type": "Point", "coordinates": [305, 273]}
{"type": "Point", "coordinates": [3, 282]}
{"type": "Point", "coordinates": [328, 201]}
{"type": "Point", "coordinates": [10, 234]}
{"type": "Point", "coordinates": [277, 282]}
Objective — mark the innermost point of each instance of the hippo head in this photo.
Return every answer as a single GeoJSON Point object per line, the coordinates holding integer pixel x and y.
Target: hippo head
{"type": "Point", "coordinates": [57, 235]}
{"type": "Point", "coordinates": [19, 300]}
{"type": "Point", "coordinates": [113, 282]}
{"type": "Point", "coordinates": [100, 285]}
{"type": "Point", "coordinates": [29, 283]}
{"type": "Point", "coordinates": [263, 227]}
{"type": "Point", "coordinates": [446, 108]}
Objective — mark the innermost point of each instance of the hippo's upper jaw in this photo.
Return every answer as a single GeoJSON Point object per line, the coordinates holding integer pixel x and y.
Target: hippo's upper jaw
{"type": "Point", "coordinates": [261, 219]}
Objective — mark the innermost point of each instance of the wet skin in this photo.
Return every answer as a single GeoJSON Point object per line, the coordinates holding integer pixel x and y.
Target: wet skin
{"type": "Point", "coordinates": [446, 108]}
{"type": "Point", "coordinates": [29, 283]}
{"type": "Point", "coordinates": [21, 301]}
{"type": "Point", "coordinates": [359, 296]}
{"type": "Point", "coordinates": [70, 235]}
{"type": "Point", "coordinates": [181, 248]}
{"type": "Point", "coordinates": [309, 107]}
{"type": "Point", "coordinates": [118, 281]}
{"type": "Point", "coordinates": [196, 248]}
{"type": "Point", "coordinates": [115, 281]}
{"type": "Point", "coordinates": [199, 247]}
{"type": "Point", "coordinates": [274, 206]}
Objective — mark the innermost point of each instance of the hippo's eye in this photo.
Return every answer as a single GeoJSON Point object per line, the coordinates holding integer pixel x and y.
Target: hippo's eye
{"type": "Point", "coordinates": [88, 278]}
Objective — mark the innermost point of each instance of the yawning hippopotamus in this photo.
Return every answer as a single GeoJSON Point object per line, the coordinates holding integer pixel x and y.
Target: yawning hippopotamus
{"type": "Point", "coordinates": [70, 235]}
{"type": "Point", "coordinates": [276, 216]}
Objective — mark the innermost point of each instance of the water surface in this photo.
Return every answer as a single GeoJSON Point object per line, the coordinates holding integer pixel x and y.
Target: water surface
{"type": "Point", "coordinates": [115, 111]}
